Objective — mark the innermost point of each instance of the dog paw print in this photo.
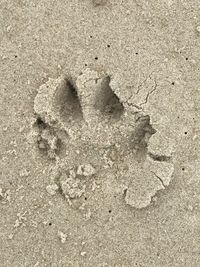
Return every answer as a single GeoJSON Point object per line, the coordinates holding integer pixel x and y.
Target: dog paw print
{"type": "Point", "coordinates": [83, 122]}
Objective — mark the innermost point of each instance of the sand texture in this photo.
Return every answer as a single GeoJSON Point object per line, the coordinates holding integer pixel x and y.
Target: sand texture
{"type": "Point", "coordinates": [100, 133]}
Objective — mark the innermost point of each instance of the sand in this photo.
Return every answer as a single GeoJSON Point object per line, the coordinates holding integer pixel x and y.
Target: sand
{"type": "Point", "coordinates": [100, 162]}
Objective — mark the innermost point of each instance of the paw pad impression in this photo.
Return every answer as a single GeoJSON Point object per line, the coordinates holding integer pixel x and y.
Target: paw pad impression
{"type": "Point", "coordinates": [83, 122]}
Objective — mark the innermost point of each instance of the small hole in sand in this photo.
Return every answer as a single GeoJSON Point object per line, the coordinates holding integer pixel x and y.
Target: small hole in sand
{"type": "Point", "coordinates": [40, 123]}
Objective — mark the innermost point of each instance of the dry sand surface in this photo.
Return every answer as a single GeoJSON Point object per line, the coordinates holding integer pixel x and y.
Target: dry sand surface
{"type": "Point", "coordinates": [100, 133]}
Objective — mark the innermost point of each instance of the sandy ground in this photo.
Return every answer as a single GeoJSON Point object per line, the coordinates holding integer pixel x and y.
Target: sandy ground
{"type": "Point", "coordinates": [100, 143]}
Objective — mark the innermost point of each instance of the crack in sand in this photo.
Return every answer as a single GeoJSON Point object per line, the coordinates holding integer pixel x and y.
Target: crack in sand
{"type": "Point", "coordinates": [159, 179]}
{"type": "Point", "coordinates": [149, 93]}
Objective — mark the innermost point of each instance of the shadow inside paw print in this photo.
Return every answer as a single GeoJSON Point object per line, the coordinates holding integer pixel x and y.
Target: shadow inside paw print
{"type": "Point", "coordinates": [84, 121]}
{"type": "Point", "coordinates": [71, 107]}
{"type": "Point", "coordinates": [108, 102]}
{"type": "Point", "coordinates": [141, 135]}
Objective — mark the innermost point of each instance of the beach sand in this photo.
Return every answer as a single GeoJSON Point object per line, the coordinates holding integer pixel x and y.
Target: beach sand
{"type": "Point", "coordinates": [100, 143]}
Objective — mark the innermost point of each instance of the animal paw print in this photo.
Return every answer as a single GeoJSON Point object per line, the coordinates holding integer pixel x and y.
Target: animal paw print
{"type": "Point", "coordinates": [83, 122]}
